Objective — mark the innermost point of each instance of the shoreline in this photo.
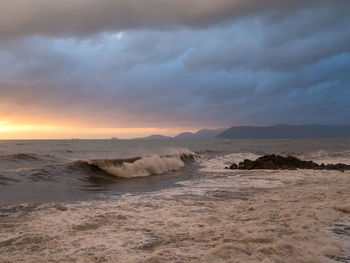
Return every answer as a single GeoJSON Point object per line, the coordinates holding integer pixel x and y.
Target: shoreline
{"type": "Point", "coordinates": [273, 216]}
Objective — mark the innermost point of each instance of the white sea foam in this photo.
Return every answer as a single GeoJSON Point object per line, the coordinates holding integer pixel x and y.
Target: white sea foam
{"type": "Point", "coordinates": [219, 162]}
{"type": "Point", "coordinates": [291, 222]}
{"type": "Point", "coordinates": [327, 157]}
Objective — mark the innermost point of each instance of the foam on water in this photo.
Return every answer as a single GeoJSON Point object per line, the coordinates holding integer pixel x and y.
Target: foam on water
{"type": "Point", "coordinates": [289, 222]}
{"type": "Point", "coordinates": [214, 215]}
{"type": "Point", "coordinates": [327, 157]}
{"type": "Point", "coordinates": [218, 163]}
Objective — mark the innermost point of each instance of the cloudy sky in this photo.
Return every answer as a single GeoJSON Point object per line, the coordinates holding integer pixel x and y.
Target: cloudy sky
{"type": "Point", "coordinates": [126, 68]}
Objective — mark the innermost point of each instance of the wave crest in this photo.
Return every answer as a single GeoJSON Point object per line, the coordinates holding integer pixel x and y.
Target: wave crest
{"type": "Point", "coordinates": [142, 166]}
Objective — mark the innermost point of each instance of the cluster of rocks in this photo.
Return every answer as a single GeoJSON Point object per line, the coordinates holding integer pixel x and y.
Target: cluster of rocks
{"type": "Point", "coordinates": [278, 162]}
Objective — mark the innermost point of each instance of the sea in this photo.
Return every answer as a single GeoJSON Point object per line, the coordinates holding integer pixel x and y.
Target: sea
{"type": "Point", "coordinates": [127, 201]}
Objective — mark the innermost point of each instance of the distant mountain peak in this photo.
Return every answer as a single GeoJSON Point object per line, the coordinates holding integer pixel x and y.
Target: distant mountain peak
{"type": "Point", "coordinates": [203, 134]}
{"type": "Point", "coordinates": [284, 131]}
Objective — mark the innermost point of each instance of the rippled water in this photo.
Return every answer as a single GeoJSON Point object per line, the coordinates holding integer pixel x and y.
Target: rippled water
{"type": "Point", "coordinates": [171, 201]}
{"type": "Point", "coordinates": [41, 171]}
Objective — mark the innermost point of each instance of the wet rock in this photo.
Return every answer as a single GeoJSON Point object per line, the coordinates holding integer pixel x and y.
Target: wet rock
{"type": "Point", "coordinates": [269, 165]}
{"type": "Point", "coordinates": [278, 162]}
{"type": "Point", "coordinates": [233, 166]}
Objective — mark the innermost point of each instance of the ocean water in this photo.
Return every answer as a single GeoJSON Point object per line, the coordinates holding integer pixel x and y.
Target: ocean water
{"type": "Point", "coordinates": [71, 170]}
{"type": "Point", "coordinates": [171, 201]}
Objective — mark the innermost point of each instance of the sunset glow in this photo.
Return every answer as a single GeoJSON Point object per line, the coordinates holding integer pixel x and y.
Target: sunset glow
{"type": "Point", "coordinates": [14, 131]}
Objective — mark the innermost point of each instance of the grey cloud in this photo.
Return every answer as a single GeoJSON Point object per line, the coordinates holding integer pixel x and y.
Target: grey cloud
{"type": "Point", "coordinates": [303, 38]}
{"type": "Point", "coordinates": [87, 17]}
{"type": "Point", "coordinates": [83, 84]}
{"type": "Point", "coordinates": [259, 69]}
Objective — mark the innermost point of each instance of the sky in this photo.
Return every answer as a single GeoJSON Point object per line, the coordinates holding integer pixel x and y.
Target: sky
{"type": "Point", "coordinates": [130, 68]}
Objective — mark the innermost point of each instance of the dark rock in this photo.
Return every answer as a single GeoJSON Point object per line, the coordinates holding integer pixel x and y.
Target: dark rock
{"type": "Point", "coordinates": [233, 166]}
{"type": "Point", "coordinates": [269, 165]}
{"type": "Point", "coordinates": [278, 162]}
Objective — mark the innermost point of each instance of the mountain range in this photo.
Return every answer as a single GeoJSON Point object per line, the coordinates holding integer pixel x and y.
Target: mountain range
{"type": "Point", "coordinates": [280, 131]}
{"type": "Point", "coordinates": [204, 134]}
{"type": "Point", "coordinates": [284, 131]}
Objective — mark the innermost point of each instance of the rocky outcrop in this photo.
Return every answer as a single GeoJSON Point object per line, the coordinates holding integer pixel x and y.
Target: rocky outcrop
{"type": "Point", "coordinates": [278, 162]}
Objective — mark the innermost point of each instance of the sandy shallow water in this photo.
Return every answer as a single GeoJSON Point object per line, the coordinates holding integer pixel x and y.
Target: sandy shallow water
{"type": "Point", "coordinates": [252, 216]}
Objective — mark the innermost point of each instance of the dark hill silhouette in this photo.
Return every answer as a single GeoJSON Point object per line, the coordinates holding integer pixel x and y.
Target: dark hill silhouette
{"type": "Point", "coordinates": [204, 134]}
{"type": "Point", "coordinates": [284, 131]}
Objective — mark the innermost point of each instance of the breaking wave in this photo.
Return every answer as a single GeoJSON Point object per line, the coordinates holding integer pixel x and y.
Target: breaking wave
{"type": "Point", "coordinates": [141, 166]}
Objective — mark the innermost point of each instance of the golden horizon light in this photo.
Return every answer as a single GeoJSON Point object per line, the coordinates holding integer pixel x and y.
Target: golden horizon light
{"type": "Point", "coordinates": [16, 131]}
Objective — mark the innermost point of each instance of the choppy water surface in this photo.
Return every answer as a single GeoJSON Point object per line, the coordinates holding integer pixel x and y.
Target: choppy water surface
{"type": "Point", "coordinates": [41, 171]}
{"type": "Point", "coordinates": [171, 201]}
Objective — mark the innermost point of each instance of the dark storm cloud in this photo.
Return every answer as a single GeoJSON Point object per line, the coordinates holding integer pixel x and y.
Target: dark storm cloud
{"type": "Point", "coordinates": [87, 17]}
{"type": "Point", "coordinates": [270, 62]}
{"type": "Point", "coordinates": [306, 37]}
